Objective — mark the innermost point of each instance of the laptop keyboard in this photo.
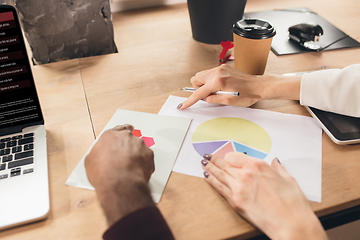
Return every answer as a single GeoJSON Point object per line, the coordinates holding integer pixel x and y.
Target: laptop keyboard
{"type": "Point", "coordinates": [16, 155]}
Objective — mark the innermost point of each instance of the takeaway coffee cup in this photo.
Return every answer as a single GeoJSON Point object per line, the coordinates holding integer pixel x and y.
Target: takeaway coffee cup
{"type": "Point", "coordinates": [252, 42]}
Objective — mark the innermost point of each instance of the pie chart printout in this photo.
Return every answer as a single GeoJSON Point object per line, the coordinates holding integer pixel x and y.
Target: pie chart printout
{"type": "Point", "coordinates": [219, 136]}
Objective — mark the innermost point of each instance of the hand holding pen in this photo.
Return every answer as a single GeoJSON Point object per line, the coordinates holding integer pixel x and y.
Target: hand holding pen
{"type": "Point", "coordinates": [223, 85]}
{"type": "Point", "coordinates": [189, 89]}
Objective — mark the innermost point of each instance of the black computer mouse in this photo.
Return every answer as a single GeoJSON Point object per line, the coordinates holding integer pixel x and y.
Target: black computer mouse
{"type": "Point", "coordinates": [306, 34]}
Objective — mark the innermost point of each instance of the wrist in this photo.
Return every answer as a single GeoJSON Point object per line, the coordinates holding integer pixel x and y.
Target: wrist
{"type": "Point", "coordinates": [309, 228]}
{"type": "Point", "coordinates": [127, 195]}
{"type": "Point", "coordinates": [281, 87]}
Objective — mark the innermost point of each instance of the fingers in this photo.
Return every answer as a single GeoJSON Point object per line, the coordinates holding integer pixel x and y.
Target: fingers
{"type": "Point", "coordinates": [238, 159]}
{"type": "Point", "coordinates": [280, 168]}
{"type": "Point", "coordinates": [217, 171]}
{"type": "Point", "coordinates": [123, 127]}
{"type": "Point", "coordinates": [218, 162]}
{"type": "Point", "coordinates": [199, 94]}
{"type": "Point", "coordinates": [275, 163]}
{"type": "Point", "coordinates": [219, 186]}
{"type": "Point", "coordinates": [215, 176]}
{"type": "Point", "coordinates": [206, 84]}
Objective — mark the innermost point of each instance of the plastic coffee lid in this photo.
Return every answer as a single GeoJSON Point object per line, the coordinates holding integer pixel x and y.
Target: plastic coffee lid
{"type": "Point", "coordinates": [254, 28]}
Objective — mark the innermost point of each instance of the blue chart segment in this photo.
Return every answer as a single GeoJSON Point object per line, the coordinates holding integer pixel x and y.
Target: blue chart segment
{"type": "Point", "coordinates": [222, 135]}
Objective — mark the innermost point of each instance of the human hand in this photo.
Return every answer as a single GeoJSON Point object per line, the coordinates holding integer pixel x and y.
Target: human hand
{"type": "Point", "coordinates": [118, 153]}
{"type": "Point", "coordinates": [225, 78]}
{"type": "Point", "coordinates": [252, 88]}
{"type": "Point", "coordinates": [267, 196]}
{"type": "Point", "coordinates": [119, 167]}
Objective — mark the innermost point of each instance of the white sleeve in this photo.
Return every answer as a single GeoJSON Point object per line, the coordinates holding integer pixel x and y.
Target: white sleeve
{"type": "Point", "coordinates": [334, 90]}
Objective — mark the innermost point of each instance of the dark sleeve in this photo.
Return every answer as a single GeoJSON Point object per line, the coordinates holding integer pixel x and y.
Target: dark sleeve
{"type": "Point", "coordinates": [146, 223]}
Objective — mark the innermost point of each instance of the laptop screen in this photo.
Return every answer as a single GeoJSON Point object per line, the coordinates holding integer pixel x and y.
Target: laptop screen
{"type": "Point", "coordinates": [19, 104]}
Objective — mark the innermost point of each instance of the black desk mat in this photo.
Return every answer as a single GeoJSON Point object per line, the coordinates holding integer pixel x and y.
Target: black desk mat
{"type": "Point", "coordinates": [333, 37]}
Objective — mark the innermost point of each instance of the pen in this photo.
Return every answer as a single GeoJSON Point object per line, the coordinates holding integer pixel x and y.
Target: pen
{"type": "Point", "coordinates": [188, 89]}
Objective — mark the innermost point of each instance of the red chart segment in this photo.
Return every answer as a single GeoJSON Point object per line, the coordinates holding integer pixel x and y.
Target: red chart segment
{"type": "Point", "coordinates": [137, 133]}
{"type": "Point", "coordinates": [149, 141]}
{"type": "Point", "coordinates": [228, 147]}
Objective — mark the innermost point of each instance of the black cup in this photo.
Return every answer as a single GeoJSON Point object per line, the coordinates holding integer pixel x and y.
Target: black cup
{"type": "Point", "coordinates": [212, 20]}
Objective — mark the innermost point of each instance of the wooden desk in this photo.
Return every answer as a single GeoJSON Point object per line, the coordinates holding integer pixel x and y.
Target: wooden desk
{"type": "Point", "coordinates": [157, 55]}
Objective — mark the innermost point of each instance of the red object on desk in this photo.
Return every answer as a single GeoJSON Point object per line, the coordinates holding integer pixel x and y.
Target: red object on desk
{"type": "Point", "coordinates": [225, 53]}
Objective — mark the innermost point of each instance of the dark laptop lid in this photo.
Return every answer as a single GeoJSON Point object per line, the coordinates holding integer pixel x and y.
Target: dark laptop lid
{"type": "Point", "coordinates": [19, 103]}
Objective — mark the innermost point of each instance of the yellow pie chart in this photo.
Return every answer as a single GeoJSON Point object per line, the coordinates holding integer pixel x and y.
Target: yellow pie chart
{"type": "Point", "coordinates": [219, 136]}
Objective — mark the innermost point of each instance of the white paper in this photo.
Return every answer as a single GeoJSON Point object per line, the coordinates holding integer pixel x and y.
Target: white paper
{"type": "Point", "coordinates": [168, 133]}
{"type": "Point", "coordinates": [296, 140]}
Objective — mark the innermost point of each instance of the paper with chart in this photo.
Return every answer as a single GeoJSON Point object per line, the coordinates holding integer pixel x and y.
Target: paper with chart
{"type": "Point", "coordinates": [163, 134]}
{"type": "Point", "coordinates": [217, 129]}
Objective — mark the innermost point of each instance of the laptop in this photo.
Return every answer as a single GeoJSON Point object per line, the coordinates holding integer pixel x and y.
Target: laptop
{"type": "Point", "coordinates": [24, 184]}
